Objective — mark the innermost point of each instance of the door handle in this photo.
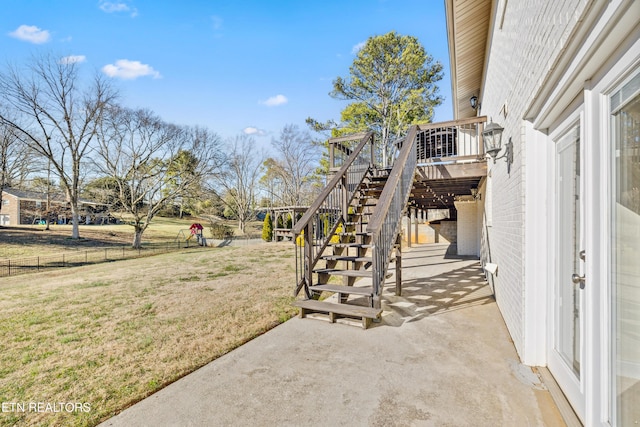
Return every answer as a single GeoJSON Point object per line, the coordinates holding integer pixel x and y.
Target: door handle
{"type": "Point", "coordinates": [578, 279]}
{"type": "Point", "coordinates": [575, 277]}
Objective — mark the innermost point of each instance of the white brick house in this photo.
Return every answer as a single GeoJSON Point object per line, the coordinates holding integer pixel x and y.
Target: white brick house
{"type": "Point", "coordinates": [563, 80]}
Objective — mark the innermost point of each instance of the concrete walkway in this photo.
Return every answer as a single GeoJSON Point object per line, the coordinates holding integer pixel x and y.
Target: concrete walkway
{"type": "Point", "coordinates": [440, 357]}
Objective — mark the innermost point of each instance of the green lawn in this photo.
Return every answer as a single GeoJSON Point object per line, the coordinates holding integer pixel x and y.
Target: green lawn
{"type": "Point", "coordinates": [34, 240]}
{"type": "Point", "coordinates": [111, 334]}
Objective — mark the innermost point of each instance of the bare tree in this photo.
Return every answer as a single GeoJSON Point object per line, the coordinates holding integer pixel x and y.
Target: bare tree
{"type": "Point", "coordinates": [239, 179]}
{"type": "Point", "coordinates": [292, 172]}
{"type": "Point", "coordinates": [152, 163]}
{"type": "Point", "coordinates": [55, 116]}
{"type": "Point", "coordinates": [17, 161]}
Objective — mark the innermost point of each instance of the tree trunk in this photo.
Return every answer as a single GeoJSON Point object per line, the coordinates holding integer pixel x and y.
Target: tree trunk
{"type": "Point", "coordinates": [75, 230]}
{"type": "Point", "coordinates": [137, 238]}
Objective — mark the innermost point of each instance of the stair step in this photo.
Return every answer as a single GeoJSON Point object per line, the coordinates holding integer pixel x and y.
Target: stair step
{"type": "Point", "coordinates": [347, 258]}
{"type": "Point", "coordinates": [354, 233]}
{"type": "Point", "coordinates": [336, 310]}
{"type": "Point", "coordinates": [348, 273]}
{"type": "Point", "coordinates": [356, 223]}
{"type": "Point", "coordinates": [351, 245]}
{"type": "Point", "coordinates": [353, 290]}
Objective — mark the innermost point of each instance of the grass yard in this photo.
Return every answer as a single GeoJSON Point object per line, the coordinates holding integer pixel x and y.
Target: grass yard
{"type": "Point", "coordinates": [34, 240]}
{"type": "Point", "coordinates": [109, 335]}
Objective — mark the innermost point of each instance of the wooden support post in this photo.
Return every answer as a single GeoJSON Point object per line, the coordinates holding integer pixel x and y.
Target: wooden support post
{"type": "Point", "coordinates": [399, 266]}
{"type": "Point", "coordinates": [274, 225]}
{"type": "Point", "coordinates": [332, 149]}
{"type": "Point", "coordinates": [373, 157]}
{"type": "Point", "coordinates": [366, 322]}
{"type": "Point", "coordinates": [415, 223]}
{"type": "Point", "coordinates": [345, 200]}
{"type": "Point", "coordinates": [308, 254]}
{"type": "Point", "coordinates": [409, 227]}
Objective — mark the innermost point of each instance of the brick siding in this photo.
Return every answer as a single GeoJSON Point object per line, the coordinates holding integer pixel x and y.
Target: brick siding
{"type": "Point", "coordinates": [522, 53]}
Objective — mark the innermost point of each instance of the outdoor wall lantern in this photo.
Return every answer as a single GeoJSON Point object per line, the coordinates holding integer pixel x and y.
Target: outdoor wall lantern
{"type": "Point", "coordinates": [492, 135]}
{"type": "Point", "coordinates": [474, 102]}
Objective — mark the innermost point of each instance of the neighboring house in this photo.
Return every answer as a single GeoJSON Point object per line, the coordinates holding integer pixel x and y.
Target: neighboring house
{"type": "Point", "coordinates": [30, 207]}
{"type": "Point", "coordinates": [561, 222]}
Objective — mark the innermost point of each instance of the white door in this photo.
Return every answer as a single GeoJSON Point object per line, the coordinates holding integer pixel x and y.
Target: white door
{"type": "Point", "coordinates": [566, 349]}
{"type": "Point", "coordinates": [625, 259]}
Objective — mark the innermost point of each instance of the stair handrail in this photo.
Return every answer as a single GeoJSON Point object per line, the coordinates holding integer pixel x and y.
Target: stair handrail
{"type": "Point", "coordinates": [330, 208]}
{"type": "Point", "coordinates": [384, 224]}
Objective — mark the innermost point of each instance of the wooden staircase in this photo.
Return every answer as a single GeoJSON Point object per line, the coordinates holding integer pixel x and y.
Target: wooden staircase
{"type": "Point", "coordinates": [349, 235]}
{"type": "Point", "coordinates": [347, 258]}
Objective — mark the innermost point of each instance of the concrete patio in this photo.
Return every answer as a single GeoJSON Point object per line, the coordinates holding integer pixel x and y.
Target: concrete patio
{"type": "Point", "coordinates": [441, 356]}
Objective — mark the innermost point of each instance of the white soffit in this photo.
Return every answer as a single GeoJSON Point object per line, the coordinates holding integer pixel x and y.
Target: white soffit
{"type": "Point", "coordinates": [468, 23]}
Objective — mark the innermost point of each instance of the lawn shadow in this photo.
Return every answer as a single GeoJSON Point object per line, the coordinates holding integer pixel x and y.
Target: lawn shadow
{"type": "Point", "coordinates": [38, 236]}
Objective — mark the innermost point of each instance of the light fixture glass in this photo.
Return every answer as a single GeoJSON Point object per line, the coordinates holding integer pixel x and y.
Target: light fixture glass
{"type": "Point", "coordinates": [492, 135]}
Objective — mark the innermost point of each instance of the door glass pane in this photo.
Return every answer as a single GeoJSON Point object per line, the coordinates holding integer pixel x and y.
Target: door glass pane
{"type": "Point", "coordinates": [626, 255]}
{"type": "Point", "coordinates": [568, 293]}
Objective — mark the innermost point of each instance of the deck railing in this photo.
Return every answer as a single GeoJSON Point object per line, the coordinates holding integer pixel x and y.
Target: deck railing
{"type": "Point", "coordinates": [447, 142]}
{"type": "Point", "coordinates": [314, 230]}
{"type": "Point", "coordinates": [384, 225]}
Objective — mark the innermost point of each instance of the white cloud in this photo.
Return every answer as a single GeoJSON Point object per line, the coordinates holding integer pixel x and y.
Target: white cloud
{"type": "Point", "coordinates": [250, 130]}
{"type": "Point", "coordinates": [31, 34]}
{"type": "Point", "coordinates": [73, 59]}
{"type": "Point", "coordinates": [129, 70]}
{"type": "Point", "coordinates": [355, 49]}
{"type": "Point", "coordinates": [109, 7]}
{"type": "Point", "coordinates": [274, 101]}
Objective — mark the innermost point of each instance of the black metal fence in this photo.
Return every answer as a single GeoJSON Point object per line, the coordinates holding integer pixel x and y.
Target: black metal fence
{"type": "Point", "coordinates": [15, 266]}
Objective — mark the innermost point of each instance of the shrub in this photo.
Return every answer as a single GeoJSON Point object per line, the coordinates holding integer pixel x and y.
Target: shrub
{"type": "Point", "coordinates": [267, 228]}
{"type": "Point", "coordinates": [336, 238]}
{"type": "Point", "coordinates": [220, 231]}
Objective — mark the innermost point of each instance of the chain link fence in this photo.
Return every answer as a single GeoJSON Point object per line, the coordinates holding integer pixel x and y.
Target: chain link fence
{"type": "Point", "coordinates": [16, 266]}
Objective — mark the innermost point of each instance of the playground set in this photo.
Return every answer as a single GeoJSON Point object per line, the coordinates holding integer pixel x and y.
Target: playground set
{"type": "Point", "coordinates": [196, 230]}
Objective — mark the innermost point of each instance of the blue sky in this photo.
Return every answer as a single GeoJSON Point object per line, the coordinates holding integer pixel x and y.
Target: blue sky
{"type": "Point", "coordinates": [232, 66]}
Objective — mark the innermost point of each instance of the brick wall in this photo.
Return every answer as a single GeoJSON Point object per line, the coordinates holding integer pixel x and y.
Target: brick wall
{"type": "Point", "coordinates": [523, 50]}
{"type": "Point", "coordinates": [10, 207]}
